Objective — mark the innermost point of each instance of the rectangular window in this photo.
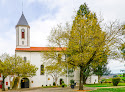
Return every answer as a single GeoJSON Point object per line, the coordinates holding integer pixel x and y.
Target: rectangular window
{"type": "Point", "coordinates": [22, 34]}
{"type": "Point", "coordinates": [42, 70]}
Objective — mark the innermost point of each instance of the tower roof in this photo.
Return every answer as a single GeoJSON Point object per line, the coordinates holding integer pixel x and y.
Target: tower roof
{"type": "Point", "coordinates": [22, 21]}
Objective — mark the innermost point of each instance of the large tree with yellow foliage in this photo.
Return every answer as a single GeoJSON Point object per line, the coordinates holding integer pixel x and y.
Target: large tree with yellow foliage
{"type": "Point", "coordinates": [88, 43]}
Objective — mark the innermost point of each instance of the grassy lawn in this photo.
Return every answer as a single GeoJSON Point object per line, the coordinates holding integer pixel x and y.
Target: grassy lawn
{"type": "Point", "coordinates": [109, 90]}
{"type": "Point", "coordinates": [110, 79]}
{"type": "Point", "coordinates": [103, 85]}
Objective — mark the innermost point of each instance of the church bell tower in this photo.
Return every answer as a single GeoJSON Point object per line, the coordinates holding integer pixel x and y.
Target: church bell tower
{"type": "Point", "coordinates": [22, 33]}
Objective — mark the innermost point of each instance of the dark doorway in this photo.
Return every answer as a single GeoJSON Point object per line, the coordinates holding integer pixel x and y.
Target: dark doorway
{"type": "Point", "coordinates": [61, 81]}
{"type": "Point", "coordinates": [24, 83]}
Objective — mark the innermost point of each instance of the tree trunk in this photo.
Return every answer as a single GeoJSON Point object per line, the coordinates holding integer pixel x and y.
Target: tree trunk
{"type": "Point", "coordinates": [98, 78]}
{"type": "Point", "coordinates": [3, 88]}
{"type": "Point", "coordinates": [81, 78]}
{"type": "Point", "coordinates": [85, 76]}
{"type": "Point", "coordinates": [55, 81]}
{"type": "Point", "coordinates": [84, 79]}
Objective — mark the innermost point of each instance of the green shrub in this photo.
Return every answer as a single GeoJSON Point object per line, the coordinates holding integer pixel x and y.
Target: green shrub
{"type": "Point", "coordinates": [123, 79]}
{"type": "Point", "coordinates": [72, 82]}
{"type": "Point", "coordinates": [115, 81]}
{"type": "Point", "coordinates": [115, 76]}
{"type": "Point", "coordinates": [62, 82]}
{"type": "Point", "coordinates": [54, 84]}
{"type": "Point", "coordinates": [109, 82]}
{"type": "Point", "coordinates": [106, 81]}
{"type": "Point", "coordinates": [103, 80]}
{"type": "Point", "coordinates": [123, 74]}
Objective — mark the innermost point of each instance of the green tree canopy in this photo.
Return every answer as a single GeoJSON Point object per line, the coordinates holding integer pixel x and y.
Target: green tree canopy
{"type": "Point", "coordinates": [11, 65]}
{"type": "Point", "coordinates": [55, 70]}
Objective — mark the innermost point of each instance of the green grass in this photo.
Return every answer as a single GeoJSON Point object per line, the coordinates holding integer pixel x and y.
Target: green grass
{"type": "Point", "coordinates": [99, 85]}
{"type": "Point", "coordinates": [110, 79]}
{"type": "Point", "coordinates": [109, 90]}
{"type": "Point", "coordinates": [103, 85]}
{"type": "Point", "coordinates": [121, 75]}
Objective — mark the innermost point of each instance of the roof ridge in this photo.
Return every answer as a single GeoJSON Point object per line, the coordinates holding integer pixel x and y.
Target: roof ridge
{"type": "Point", "coordinates": [39, 49]}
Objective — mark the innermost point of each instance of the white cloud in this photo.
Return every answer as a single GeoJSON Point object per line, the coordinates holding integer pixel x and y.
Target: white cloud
{"type": "Point", "coordinates": [7, 38]}
{"type": "Point", "coordinates": [40, 28]}
{"type": "Point", "coordinates": [40, 31]}
{"type": "Point", "coordinates": [8, 43]}
{"type": "Point", "coordinates": [116, 66]}
{"type": "Point", "coordinates": [3, 2]}
{"type": "Point", "coordinates": [4, 22]}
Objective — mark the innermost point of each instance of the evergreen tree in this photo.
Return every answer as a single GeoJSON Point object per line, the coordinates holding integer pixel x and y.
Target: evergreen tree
{"type": "Point", "coordinates": [101, 70]}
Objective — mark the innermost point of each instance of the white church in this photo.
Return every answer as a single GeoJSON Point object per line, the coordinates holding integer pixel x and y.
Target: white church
{"type": "Point", "coordinates": [34, 55]}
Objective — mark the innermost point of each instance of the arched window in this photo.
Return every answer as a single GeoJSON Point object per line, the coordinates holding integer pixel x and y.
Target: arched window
{"type": "Point", "coordinates": [23, 33]}
{"type": "Point", "coordinates": [42, 70]}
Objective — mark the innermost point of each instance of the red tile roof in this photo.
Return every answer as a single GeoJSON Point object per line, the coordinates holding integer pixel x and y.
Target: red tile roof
{"type": "Point", "coordinates": [40, 49]}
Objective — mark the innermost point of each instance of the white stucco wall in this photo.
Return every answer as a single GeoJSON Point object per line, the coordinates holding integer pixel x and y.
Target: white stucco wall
{"type": "Point", "coordinates": [39, 80]}
{"type": "Point", "coordinates": [7, 79]}
{"type": "Point", "coordinates": [35, 58]}
{"type": "Point", "coordinates": [92, 79]}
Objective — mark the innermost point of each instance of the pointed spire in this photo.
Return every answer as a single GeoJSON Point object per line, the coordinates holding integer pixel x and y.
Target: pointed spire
{"type": "Point", "coordinates": [22, 20]}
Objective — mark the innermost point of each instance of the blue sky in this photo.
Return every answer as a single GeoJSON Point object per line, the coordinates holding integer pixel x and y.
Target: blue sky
{"type": "Point", "coordinates": [43, 15]}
